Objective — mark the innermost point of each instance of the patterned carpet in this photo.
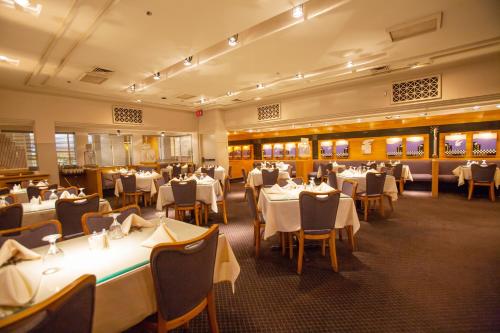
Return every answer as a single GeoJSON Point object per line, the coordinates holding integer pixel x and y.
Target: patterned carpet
{"type": "Point", "coordinates": [432, 266]}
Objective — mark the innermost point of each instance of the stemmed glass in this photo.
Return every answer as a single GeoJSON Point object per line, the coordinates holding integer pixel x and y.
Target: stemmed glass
{"type": "Point", "coordinates": [53, 195]}
{"type": "Point", "coordinates": [115, 229]}
{"type": "Point", "coordinates": [161, 217]}
{"type": "Point", "coordinates": [54, 259]}
{"type": "Point", "coordinates": [81, 194]}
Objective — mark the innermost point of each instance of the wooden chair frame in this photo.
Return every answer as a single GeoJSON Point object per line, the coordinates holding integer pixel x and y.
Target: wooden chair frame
{"type": "Point", "coordinates": [491, 185]}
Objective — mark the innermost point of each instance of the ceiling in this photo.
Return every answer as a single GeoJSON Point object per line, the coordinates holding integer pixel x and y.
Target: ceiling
{"type": "Point", "coordinates": [71, 37]}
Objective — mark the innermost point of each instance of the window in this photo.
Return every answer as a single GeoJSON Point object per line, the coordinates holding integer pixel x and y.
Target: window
{"type": "Point", "coordinates": [65, 149]}
{"type": "Point", "coordinates": [111, 150]}
{"type": "Point", "coordinates": [18, 150]}
{"type": "Point", "coordinates": [176, 148]}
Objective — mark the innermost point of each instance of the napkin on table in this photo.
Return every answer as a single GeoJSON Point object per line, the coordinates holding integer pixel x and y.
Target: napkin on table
{"type": "Point", "coordinates": [17, 289]}
{"type": "Point", "coordinates": [65, 195]}
{"type": "Point", "coordinates": [162, 234]}
{"type": "Point", "coordinates": [134, 220]}
{"type": "Point", "coordinates": [323, 187]}
{"type": "Point", "coordinates": [275, 189]}
{"type": "Point", "coordinates": [16, 188]}
{"type": "Point", "coordinates": [35, 201]}
{"type": "Point", "coordinates": [41, 184]}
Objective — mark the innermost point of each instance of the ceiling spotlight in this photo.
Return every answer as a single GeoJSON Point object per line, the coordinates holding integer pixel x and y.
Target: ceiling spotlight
{"type": "Point", "coordinates": [349, 64]}
{"type": "Point", "coordinates": [298, 11]}
{"type": "Point", "coordinates": [188, 61]}
{"type": "Point", "coordinates": [156, 76]}
{"type": "Point", "coordinates": [203, 100]}
{"type": "Point", "coordinates": [424, 114]}
{"type": "Point", "coordinates": [138, 100]}
{"type": "Point", "coordinates": [118, 132]}
{"type": "Point", "coordinates": [131, 88]}
{"type": "Point", "coordinates": [8, 60]}
{"type": "Point", "coordinates": [250, 130]}
{"type": "Point", "coordinates": [230, 93]}
{"type": "Point", "coordinates": [162, 133]}
{"type": "Point", "coordinates": [476, 107]}
{"type": "Point", "coordinates": [25, 5]}
{"type": "Point", "coordinates": [233, 40]}
{"type": "Point", "coordinates": [258, 98]}
{"type": "Point", "coordinates": [498, 106]}
{"type": "Point", "coordinates": [260, 86]}
{"type": "Point", "coordinates": [163, 97]}
{"type": "Point", "coordinates": [388, 117]}
{"type": "Point", "coordinates": [299, 76]}
{"type": "Point", "coordinates": [397, 116]}
{"type": "Point", "coordinates": [358, 120]}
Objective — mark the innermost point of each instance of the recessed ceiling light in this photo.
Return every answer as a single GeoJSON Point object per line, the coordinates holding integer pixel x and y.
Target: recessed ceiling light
{"type": "Point", "coordinates": [131, 88]}
{"type": "Point", "coordinates": [476, 107]}
{"type": "Point", "coordinates": [258, 98]}
{"type": "Point", "coordinates": [424, 114]}
{"type": "Point", "coordinates": [250, 130]}
{"type": "Point", "coordinates": [188, 61]}
{"type": "Point", "coordinates": [299, 76]}
{"type": "Point", "coordinates": [350, 64]}
{"type": "Point", "coordinates": [498, 106]}
{"type": "Point", "coordinates": [260, 85]}
{"type": "Point", "coordinates": [203, 100]}
{"type": "Point", "coordinates": [10, 61]}
{"type": "Point", "coordinates": [162, 133]}
{"type": "Point", "coordinates": [358, 120]}
{"type": "Point", "coordinates": [230, 93]}
{"type": "Point", "coordinates": [156, 76]}
{"type": "Point", "coordinates": [233, 40]}
{"type": "Point", "coordinates": [149, 13]}
{"type": "Point", "coordinates": [298, 11]}
{"type": "Point", "coordinates": [397, 116]}
{"type": "Point", "coordinates": [138, 100]}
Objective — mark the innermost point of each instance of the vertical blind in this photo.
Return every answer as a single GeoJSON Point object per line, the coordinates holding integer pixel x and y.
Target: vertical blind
{"type": "Point", "coordinates": [22, 148]}
{"type": "Point", "coordinates": [65, 148]}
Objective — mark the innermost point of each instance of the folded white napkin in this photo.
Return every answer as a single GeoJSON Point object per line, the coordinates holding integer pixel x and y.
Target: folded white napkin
{"type": "Point", "coordinates": [65, 195]}
{"type": "Point", "coordinates": [134, 220]}
{"type": "Point", "coordinates": [41, 184]}
{"type": "Point", "coordinates": [162, 234]}
{"type": "Point", "coordinates": [17, 288]}
{"type": "Point", "coordinates": [275, 189]}
{"type": "Point", "coordinates": [154, 173]}
{"type": "Point", "coordinates": [207, 180]}
{"type": "Point", "coordinates": [335, 163]}
{"type": "Point", "coordinates": [255, 170]}
{"type": "Point", "coordinates": [16, 188]}
{"type": "Point", "coordinates": [323, 187]}
{"type": "Point", "coordinates": [35, 201]}
{"type": "Point", "coordinates": [147, 173]}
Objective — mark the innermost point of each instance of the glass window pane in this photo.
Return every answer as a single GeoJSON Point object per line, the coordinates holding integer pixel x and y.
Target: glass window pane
{"type": "Point", "coordinates": [18, 150]}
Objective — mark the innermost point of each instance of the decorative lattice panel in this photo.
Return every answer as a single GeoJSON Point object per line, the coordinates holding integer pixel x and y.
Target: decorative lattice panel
{"type": "Point", "coordinates": [416, 90]}
{"type": "Point", "coordinates": [269, 112]}
{"type": "Point", "coordinates": [127, 115]}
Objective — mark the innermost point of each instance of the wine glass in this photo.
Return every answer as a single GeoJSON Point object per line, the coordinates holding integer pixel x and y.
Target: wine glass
{"type": "Point", "coordinates": [115, 229]}
{"type": "Point", "coordinates": [81, 194]}
{"type": "Point", "coordinates": [53, 195]}
{"type": "Point", "coordinates": [161, 217]}
{"type": "Point", "coordinates": [54, 259]}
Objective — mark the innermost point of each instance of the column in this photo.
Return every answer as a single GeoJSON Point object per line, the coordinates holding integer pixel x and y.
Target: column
{"type": "Point", "coordinates": [45, 139]}
{"type": "Point", "coordinates": [213, 135]}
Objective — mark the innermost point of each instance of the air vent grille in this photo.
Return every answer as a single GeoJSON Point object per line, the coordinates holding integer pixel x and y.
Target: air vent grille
{"type": "Point", "coordinates": [186, 96]}
{"type": "Point", "coordinates": [417, 27]}
{"type": "Point", "coordinates": [237, 100]}
{"type": "Point", "coordinates": [101, 70]}
{"type": "Point", "coordinates": [127, 115]}
{"type": "Point", "coordinates": [416, 90]}
{"type": "Point", "coordinates": [380, 69]}
{"type": "Point", "coordinates": [269, 112]}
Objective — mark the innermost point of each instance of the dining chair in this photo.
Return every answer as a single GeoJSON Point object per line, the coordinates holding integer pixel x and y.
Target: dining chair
{"type": "Point", "coordinates": [45, 194]}
{"type": "Point", "coordinates": [332, 179]}
{"type": "Point", "coordinates": [158, 182]}
{"type": "Point", "coordinates": [298, 180]}
{"type": "Point", "coordinates": [9, 198]}
{"type": "Point", "coordinates": [318, 213]}
{"type": "Point", "coordinates": [146, 168]}
{"type": "Point", "coordinates": [244, 175]}
{"type": "Point", "coordinates": [69, 310]}
{"type": "Point", "coordinates": [96, 221]}
{"type": "Point", "coordinates": [185, 199]}
{"type": "Point", "coordinates": [70, 211]}
{"type": "Point", "coordinates": [11, 216]}
{"type": "Point", "coordinates": [31, 236]}
{"type": "Point", "coordinates": [33, 192]}
{"type": "Point", "coordinates": [269, 177]}
{"type": "Point", "coordinates": [53, 186]}
{"type": "Point", "coordinates": [482, 176]}
{"type": "Point", "coordinates": [209, 171]}
{"type": "Point", "coordinates": [258, 220]}
{"type": "Point", "coordinates": [4, 190]}
{"type": "Point", "coordinates": [227, 187]}
{"type": "Point", "coordinates": [221, 200]}
{"type": "Point", "coordinates": [166, 176]}
{"type": "Point", "coordinates": [349, 187]}
{"type": "Point", "coordinates": [176, 171]}
{"type": "Point", "coordinates": [397, 172]}
{"type": "Point", "coordinates": [374, 192]}
{"type": "Point", "coordinates": [183, 275]}
{"type": "Point", "coordinates": [129, 189]}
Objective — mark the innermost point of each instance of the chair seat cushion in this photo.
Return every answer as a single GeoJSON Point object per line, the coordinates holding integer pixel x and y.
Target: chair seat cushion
{"type": "Point", "coordinates": [317, 232]}
{"type": "Point", "coordinates": [448, 178]}
{"type": "Point", "coordinates": [363, 194]}
{"type": "Point", "coordinates": [421, 177]}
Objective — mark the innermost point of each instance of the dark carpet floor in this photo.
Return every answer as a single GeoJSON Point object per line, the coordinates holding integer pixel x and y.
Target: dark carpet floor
{"type": "Point", "coordinates": [431, 266]}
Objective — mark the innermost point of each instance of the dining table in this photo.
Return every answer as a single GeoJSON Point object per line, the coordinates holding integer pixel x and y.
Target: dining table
{"type": "Point", "coordinates": [144, 182]}
{"type": "Point", "coordinates": [125, 293]}
{"type": "Point", "coordinates": [334, 167]}
{"type": "Point", "coordinates": [254, 178]}
{"type": "Point", "coordinates": [20, 195]}
{"type": "Point", "coordinates": [463, 172]}
{"type": "Point", "coordinates": [207, 191]}
{"type": "Point", "coordinates": [281, 210]}
{"type": "Point", "coordinates": [46, 210]}
{"type": "Point", "coordinates": [219, 173]}
{"type": "Point", "coordinates": [390, 186]}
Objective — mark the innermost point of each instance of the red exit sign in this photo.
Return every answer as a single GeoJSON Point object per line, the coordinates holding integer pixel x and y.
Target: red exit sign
{"type": "Point", "coordinates": [199, 113]}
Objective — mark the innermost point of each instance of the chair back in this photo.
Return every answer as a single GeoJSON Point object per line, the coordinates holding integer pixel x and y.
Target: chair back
{"type": "Point", "coordinates": [11, 216]}
{"type": "Point", "coordinates": [244, 174]}
{"type": "Point", "coordinates": [375, 183]}
{"type": "Point", "coordinates": [45, 194]}
{"type": "Point", "coordinates": [146, 168]}
{"type": "Point", "coordinates": [33, 192]}
{"type": "Point", "coordinates": [209, 171]}
{"type": "Point", "coordinates": [69, 310]}
{"type": "Point", "coordinates": [183, 273]}
{"type": "Point", "coordinates": [269, 177]}
{"type": "Point", "coordinates": [328, 167]}
{"type": "Point", "coordinates": [184, 192]}
{"type": "Point", "coordinates": [70, 211]}
{"type": "Point", "coordinates": [483, 173]}
{"type": "Point", "coordinates": [332, 179]}
{"type": "Point", "coordinates": [159, 182]}
{"type": "Point", "coordinates": [349, 187]}
{"type": "Point", "coordinates": [251, 201]}
{"type": "Point", "coordinates": [9, 198]}
{"type": "Point", "coordinates": [129, 183]}
{"type": "Point", "coordinates": [31, 235]}
{"type": "Point", "coordinates": [318, 211]}
{"type": "Point", "coordinates": [4, 190]}
{"type": "Point", "coordinates": [96, 221]}
{"type": "Point", "coordinates": [176, 171]}
{"type": "Point", "coordinates": [53, 187]}
{"type": "Point", "coordinates": [226, 186]}
{"type": "Point", "coordinates": [166, 176]}
{"type": "Point", "coordinates": [397, 171]}
{"type": "Point", "coordinates": [230, 171]}
{"type": "Point", "coordinates": [298, 180]}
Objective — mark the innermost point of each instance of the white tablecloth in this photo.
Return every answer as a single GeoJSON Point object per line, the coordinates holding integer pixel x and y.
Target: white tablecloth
{"type": "Point", "coordinates": [205, 192]}
{"type": "Point", "coordinates": [335, 168]}
{"type": "Point", "coordinates": [282, 213]}
{"type": "Point", "coordinates": [144, 183]}
{"type": "Point", "coordinates": [390, 187]}
{"type": "Point", "coordinates": [47, 211]}
{"type": "Point", "coordinates": [219, 173]}
{"type": "Point", "coordinates": [464, 173]}
{"type": "Point", "coordinates": [20, 196]}
{"type": "Point", "coordinates": [123, 274]}
{"type": "Point", "coordinates": [255, 177]}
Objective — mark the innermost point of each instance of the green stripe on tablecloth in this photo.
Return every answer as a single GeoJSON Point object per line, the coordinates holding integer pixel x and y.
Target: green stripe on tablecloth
{"type": "Point", "coordinates": [123, 271]}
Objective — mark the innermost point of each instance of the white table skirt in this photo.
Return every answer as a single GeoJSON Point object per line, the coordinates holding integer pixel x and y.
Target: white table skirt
{"type": "Point", "coordinates": [406, 173]}
{"type": "Point", "coordinates": [206, 193]}
{"type": "Point", "coordinates": [20, 196]}
{"type": "Point", "coordinates": [464, 173]}
{"type": "Point", "coordinates": [47, 211]}
{"type": "Point", "coordinates": [284, 214]}
{"type": "Point", "coordinates": [114, 287]}
{"type": "Point", "coordinates": [390, 187]}
{"type": "Point", "coordinates": [144, 183]}
{"type": "Point", "coordinates": [219, 173]}
{"type": "Point", "coordinates": [255, 177]}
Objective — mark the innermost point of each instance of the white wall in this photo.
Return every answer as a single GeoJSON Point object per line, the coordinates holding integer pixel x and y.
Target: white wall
{"type": "Point", "coordinates": [213, 135]}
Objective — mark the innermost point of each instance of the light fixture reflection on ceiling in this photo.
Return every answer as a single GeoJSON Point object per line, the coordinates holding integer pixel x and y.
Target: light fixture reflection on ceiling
{"type": "Point", "coordinates": [188, 61]}
{"type": "Point", "coordinates": [25, 5]}
{"type": "Point", "coordinates": [299, 76]}
{"type": "Point", "coordinates": [298, 11]}
{"type": "Point", "coordinates": [498, 106]}
{"type": "Point", "coordinates": [476, 107]}
{"type": "Point", "coordinates": [350, 64]}
{"type": "Point", "coordinates": [157, 76]}
{"type": "Point", "coordinates": [358, 120]}
{"type": "Point", "coordinates": [258, 98]}
{"type": "Point", "coordinates": [233, 40]}
{"type": "Point", "coordinates": [8, 60]}
{"type": "Point", "coordinates": [230, 93]}
{"type": "Point", "coordinates": [131, 88]}
{"type": "Point", "coordinates": [260, 86]}
{"type": "Point", "coordinates": [138, 100]}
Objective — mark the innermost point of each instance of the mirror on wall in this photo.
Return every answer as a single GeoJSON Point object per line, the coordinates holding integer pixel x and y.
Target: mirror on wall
{"type": "Point", "coordinates": [246, 152]}
{"type": "Point", "coordinates": [342, 149]}
{"type": "Point", "coordinates": [454, 145]}
{"type": "Point", "coordinates": [111, 149]}
{"type": "Point", "coordinates": [394, 147]}
{"type": "Point", "coordinates": [484, 144]}
{"type": "Point", "coordinates": [326, 149]}
{"type": "Point", "coordinates": [237, 153]}
{"type": "Point", "coordinates": [290, 150]}
{"type": "Point", "coordinates": [175, 148]}
{"type": "Point", "coordinates": [267, 151]}
{"type": "Point", "coordinates": [278, 150]}
{"type": "Point", "coordinates": [415, 146]}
